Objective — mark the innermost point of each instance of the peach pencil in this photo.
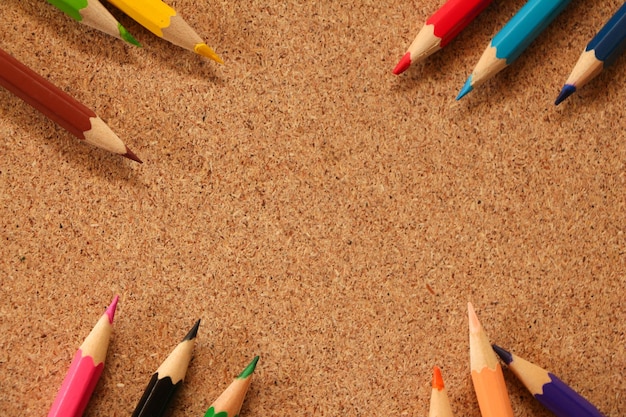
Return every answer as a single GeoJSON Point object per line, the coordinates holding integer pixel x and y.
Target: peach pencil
{"type": "Point", "coordinates": [229, 403]}
{"type": "Point", "coordinates": [491, 392]}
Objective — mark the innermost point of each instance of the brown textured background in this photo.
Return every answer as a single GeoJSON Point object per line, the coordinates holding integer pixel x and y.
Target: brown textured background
{"type": "Point", "coordinates": [314, 209]}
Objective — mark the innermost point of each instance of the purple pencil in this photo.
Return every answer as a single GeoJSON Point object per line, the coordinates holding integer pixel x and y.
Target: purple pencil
{"type": "Point", "coordinates": [549, 390]}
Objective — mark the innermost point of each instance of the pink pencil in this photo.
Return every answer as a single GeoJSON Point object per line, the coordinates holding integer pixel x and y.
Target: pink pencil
{"type": "Point", "coordinates": [86, 368]}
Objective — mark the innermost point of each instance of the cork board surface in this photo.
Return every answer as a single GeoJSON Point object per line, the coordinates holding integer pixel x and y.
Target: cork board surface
{"type": "Point", "coordinates": [314, 209]}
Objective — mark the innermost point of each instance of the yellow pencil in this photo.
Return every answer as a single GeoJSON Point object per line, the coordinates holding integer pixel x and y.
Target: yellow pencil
{"type": "Point", "coordinates": [493, 398]}
{"type": "Point", "coordinates": [163, 21]}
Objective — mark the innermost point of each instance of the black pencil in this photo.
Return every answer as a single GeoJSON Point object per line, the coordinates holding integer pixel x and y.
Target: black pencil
{"type": "Point", "coordinates": [166, 380]}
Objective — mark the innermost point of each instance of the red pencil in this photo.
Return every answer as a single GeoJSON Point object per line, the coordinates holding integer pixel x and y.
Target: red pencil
{"type": "Point", "coordinates": [58, 106]}
{"type": "Point", "coordinates": [440, 29]}
{"type": "Point", "coordinates": [86, 368]}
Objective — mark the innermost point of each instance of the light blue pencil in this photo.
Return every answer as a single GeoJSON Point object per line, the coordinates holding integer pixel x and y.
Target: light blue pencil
{"type": "Point", "coordinates": [513, 39]}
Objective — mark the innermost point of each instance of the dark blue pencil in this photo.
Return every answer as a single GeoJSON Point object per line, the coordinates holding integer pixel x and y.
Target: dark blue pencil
{"type": "Point", "coordinates": [549, 390]}
{"type": "Point", "coordinates": [601, 51]}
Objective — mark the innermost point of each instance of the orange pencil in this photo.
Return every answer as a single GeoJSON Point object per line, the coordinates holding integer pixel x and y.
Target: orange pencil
{"type": "Point", "coordinates": [439, 402]}
{"type": "Point", "coordinates": [493, 398]}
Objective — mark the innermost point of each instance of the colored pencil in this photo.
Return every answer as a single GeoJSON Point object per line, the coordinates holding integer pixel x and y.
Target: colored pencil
{"type": "Point", "coordinates": [439, 29]}
{"type": "Point", "coordinates": [229, 403]}
{"type": "Point", "coordinates": [58, 106]}
{"type": "Point", "coordinates": [601, 51]}
{"type": "Point", "coordinates": [553, 393]}
{"type": "Point", "coordinates": [493, 398]}
{"type": "Point", "coordinates": [439, 402]}
{"type": "Point", "coordinates": [167, 378]}
{"type": "Point", "coordinates": [163, 21]}
{"type": "Point", "coordinates": [93, 13]}
{"type": "Point", "coordinates": [513, 39]}
{"type": "Point", "coordinates": [85, 369]}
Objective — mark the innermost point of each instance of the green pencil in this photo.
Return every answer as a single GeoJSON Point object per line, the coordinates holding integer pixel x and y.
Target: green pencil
{"type": "Point", "coordinates": [229, 403]}
{"type": "Point", "coordinates": [93, 13]}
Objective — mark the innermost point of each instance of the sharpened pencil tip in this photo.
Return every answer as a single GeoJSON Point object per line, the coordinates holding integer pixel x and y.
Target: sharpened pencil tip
{"type": "Point", "coordinates": [206, 51]}
{"type": "Point", "coordinates": [566, 91]}
{"type": "Point", "coordinates": [474, 323]}
{"type": "Point", "coordinates": [404, 63]}
{"type": "Point", "coordinates": [125, 35]}
{"type": "Point", "coordinates": [110, 311]}
{"type": "Point", "coordinates": [506, 356]}
{"type": "Point", "coordinates": [467, 87]}
{"type": "Point", "coordinates": [249, 369]}
{"type": "Point", "coordinates": [131, 155]}
{"type": "Point", "coordinates": [437, 379]}
{"type": "Point", "coordinates": [193, 332]}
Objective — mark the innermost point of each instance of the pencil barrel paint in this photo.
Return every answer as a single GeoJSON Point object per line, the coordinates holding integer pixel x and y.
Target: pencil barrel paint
{"type": "Point", "coordinates": [454, 16]}
{"type": "Point", "coordinates": [524, 27]}
{"type": "Point", "coordinates": [610, 41]}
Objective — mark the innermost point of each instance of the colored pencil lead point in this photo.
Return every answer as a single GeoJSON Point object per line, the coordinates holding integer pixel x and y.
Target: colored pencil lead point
{"type": "Point", "coordinates": [193, 332]}
{"type": "Point", "coordinates": [503, 354]}
{"type": "Point", "coordinates": [125, 35]}
{"type": "Point", "coordinates": [467, 87]}
{"type": "Point", "coordinates": [110, 311]}
{"type": "Point", "coordinates": [568, 90]}
{"type": "Point", "coordinates": [437, 379]}
{"type": "Point", "coordinates": [131, 155]}
{"type": "Point", "coordinates": [249, 369]}
{"type": "Point", "coordinates": [229, 403]}
{"type": "Point", "coordinates": [474, 323]}
{"type": "Point", "coordinates": [403, 65]}
{"type": "Point", "coordinates": [206, 51]}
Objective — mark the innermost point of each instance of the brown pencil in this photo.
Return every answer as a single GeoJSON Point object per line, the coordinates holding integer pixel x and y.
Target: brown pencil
{"type": "Point", "coordinates": [58, 106]}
